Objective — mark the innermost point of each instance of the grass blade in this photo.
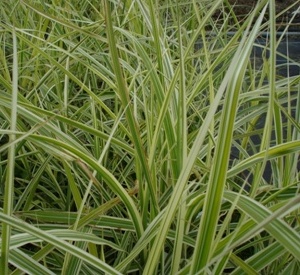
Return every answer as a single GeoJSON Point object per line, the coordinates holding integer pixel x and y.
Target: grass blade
{"type": "Point", "coordinates": [9, 185]}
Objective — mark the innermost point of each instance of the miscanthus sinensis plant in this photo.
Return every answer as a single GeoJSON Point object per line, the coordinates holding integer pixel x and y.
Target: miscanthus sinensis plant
{"type": "Point", "coordinates": [135, 137]}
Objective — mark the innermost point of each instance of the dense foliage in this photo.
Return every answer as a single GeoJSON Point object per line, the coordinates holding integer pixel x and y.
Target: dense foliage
{"type": "Point", "coordinates": [142, 137]}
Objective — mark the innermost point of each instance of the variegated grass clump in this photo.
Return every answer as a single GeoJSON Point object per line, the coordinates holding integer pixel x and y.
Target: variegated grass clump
{"type": "Point", "coordinates": [128, 149]}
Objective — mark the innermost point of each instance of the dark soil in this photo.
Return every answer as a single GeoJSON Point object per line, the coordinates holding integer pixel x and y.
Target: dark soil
{"type": "Point", "coordinates": [243, 7]}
